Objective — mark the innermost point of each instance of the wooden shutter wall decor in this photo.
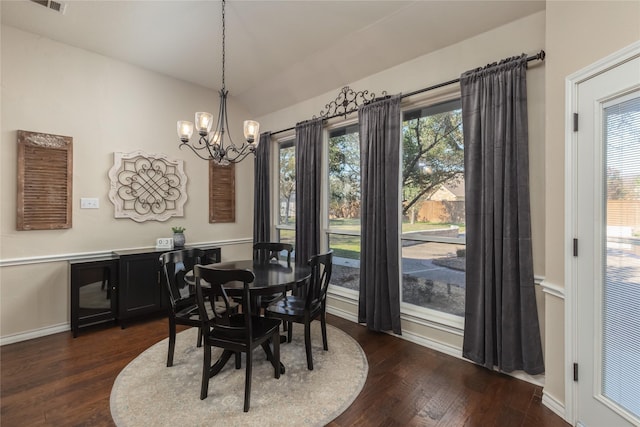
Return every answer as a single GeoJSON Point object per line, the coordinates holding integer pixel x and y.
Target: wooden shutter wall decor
{"type": "Point", "coordinates": [222, 193]}
{"type": "Point", "coordinates": [45, 165]}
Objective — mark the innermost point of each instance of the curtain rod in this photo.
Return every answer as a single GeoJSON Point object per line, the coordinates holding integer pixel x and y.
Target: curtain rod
{"type": "Point", "coordinates": [539, 56]}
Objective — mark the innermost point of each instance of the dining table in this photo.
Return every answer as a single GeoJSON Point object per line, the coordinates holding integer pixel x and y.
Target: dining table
{"type": "Point", "coordinates": [271, 277]}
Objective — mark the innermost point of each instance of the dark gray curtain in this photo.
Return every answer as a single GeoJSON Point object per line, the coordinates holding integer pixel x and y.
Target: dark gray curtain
{"type": "Point", "coordinates": [261, 216]}
{"type": "Point", "coordinates": [379, 302]}
{"type": "Point", "coordinates": [501, 321]}
{"type": "Point", "coordinates": [308, 146]}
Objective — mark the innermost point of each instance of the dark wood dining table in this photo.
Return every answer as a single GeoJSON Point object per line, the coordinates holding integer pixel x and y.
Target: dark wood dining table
{"type": "Point", "coordinates": [271, 277]}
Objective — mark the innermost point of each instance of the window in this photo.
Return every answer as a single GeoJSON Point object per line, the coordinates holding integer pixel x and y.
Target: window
{"type": "Point", "coordinates": [286, 225]}
{"type": "Point", "coordinates": [433, 208]}
{"type": "Point", "coordinates": [344, 205]}
{"type": "Point", "coordinates": [432, 230]}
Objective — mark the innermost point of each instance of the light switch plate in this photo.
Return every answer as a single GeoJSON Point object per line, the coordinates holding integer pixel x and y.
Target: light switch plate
{"type": "Point", "coordinates": [89, 203]}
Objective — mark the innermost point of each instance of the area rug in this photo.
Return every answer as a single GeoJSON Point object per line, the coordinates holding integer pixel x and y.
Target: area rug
{"type": "Point", "coordinates": [147, 393]}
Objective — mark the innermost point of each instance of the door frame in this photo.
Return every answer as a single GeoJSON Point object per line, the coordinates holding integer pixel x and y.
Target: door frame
{"type": "Point", "coordinates": [572, 83]}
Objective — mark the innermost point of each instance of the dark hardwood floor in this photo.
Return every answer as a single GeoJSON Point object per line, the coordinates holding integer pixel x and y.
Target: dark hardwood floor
{"type": "Point", "coordinates": [61, 381]}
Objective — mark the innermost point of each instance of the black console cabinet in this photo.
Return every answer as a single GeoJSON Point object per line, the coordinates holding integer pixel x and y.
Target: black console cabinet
{"type": "Point", "coordinates": [139, 291]}
{"type": "Point", "coordinates": [93, 292]}
{"type": "Point", "coordinates": [128, 286]}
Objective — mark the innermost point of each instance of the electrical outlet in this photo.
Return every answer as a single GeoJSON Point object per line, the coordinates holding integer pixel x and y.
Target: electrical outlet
{"type": "Point", "coordinates": [89, 203]}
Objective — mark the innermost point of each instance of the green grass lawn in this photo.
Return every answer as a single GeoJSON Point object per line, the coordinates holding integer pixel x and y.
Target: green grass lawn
{"type": "Point", "coordinates": [345, 246]}
{"type": "Point", "coordinates": [354, 225]}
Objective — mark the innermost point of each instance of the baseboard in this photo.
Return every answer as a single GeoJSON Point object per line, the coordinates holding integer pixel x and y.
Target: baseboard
{"type": "Point", "coordinates": [533, 379]}
{"type": "Point", "coordinates": [343, 314]}
{"type": "Point", "coordinates": [554, 404]}
{"type": "Point", "coordinates": [441, 347]}
{"type": "Point", "coordinates": [34, 333]}
{"type": "Point", "coordinates": [409, 336]}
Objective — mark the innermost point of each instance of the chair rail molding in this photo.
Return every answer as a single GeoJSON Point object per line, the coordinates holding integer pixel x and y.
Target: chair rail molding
{"type": "Point", "coordinates": [551, 288]}
{"type": "Point", "coordinates": [98, 255]}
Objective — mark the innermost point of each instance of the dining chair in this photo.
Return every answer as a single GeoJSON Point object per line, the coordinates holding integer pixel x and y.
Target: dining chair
{"type": "Point", "coordinates": [270, 252]}
{"type": "Point", "coordinates": [232, 331]}
{"type": "Point", "coordinates": [304, 309]}
{"type": "Point", "coordinates": [183, 308]}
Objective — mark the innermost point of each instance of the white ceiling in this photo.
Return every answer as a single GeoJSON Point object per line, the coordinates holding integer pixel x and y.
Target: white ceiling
{"type": "Point", "coordinates": [278, 53]}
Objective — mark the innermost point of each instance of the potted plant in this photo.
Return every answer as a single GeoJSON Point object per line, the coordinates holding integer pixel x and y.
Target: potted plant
{"type": "Point", "coordinates": [178, 236]}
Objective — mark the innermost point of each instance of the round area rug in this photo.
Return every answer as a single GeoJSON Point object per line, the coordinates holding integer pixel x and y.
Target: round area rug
{"type": "Point", "coordinates": [147, 393]}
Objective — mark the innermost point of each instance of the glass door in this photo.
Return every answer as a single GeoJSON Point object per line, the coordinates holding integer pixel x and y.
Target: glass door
{"type": "Point", "coordinates": [608, 259]}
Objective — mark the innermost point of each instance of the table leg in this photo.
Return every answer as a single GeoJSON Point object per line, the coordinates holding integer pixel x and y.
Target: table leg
{"type": "Point", "coordinates": [270, 358]}
{"type": "Point", "coordinates": [222, 360]}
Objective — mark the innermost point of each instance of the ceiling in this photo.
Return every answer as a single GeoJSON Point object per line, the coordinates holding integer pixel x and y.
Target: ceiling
{"type": "Point", "coordinates": [278, 53]}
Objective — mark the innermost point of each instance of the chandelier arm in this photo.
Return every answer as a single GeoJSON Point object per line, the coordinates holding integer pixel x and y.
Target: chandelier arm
{"type": "Point", "coordinates": [196, 150]}
{"type": "Point", "coordinates": [233, 149]}
{"type": "Point", "coordinates": [241, 155]}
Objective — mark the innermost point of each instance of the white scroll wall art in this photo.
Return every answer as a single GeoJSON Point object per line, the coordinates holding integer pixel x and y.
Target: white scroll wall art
{"type": "Point", "coordinates": [147, 187]}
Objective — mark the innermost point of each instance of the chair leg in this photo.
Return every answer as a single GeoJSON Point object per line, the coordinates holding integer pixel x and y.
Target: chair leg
{"type": "Point", "coordinates": [323, 325]}
{"type": "Point", "coordinates": [307, 345]}
{"type": "Point", "coordinates": [172, 341]}
{"type": "Point", "coordinates": [289, 331]}
{"type": "Point", "coordinates": [206, 366]}
{"type": "Point", "coordinates": [247, 381]}
{"type": "Point", "coordinates": [199, 343]}
{"type": "Point", "coordinates": [238, 360]}
{"type": "Point", "coordinates": [276, 353]}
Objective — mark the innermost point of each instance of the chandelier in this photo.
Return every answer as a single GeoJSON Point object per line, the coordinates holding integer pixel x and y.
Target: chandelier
{"type": "Point", "coordinates": [211, 144]}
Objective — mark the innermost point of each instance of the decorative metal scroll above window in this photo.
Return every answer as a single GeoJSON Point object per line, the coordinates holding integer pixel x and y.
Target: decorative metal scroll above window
{"type": "Point", "coordinates": [347, 102]}
{"type": "Point", "coordinates": [147, 187]}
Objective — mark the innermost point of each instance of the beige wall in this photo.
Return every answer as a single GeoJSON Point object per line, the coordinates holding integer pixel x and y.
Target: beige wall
{"type": "Point", "coordinates": [523, 36]}
{"type": "Point", "coordinates": [106, 106]}
{"type": "Point", "coordinates": [578, 33]}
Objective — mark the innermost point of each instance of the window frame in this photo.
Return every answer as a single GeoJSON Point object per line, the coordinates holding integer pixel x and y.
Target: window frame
{"type": "Point", "coordinates": [350, 294]}
{"type": "Point", "coordinates": [276, 225]}
{"type": "Point", "coordinates": [423, 315]}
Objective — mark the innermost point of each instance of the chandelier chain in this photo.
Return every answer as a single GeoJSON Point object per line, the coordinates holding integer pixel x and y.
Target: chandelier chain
{"type": "Point", "coordinates": [223, 44]}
